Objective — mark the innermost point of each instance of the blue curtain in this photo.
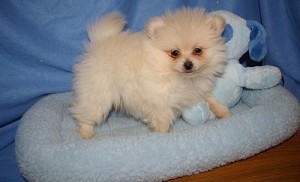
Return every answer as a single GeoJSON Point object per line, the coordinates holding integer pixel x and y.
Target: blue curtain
{"type": "Point", "coordinates": [282, 22]}
{"type": "Point", "coordinates": [40, 41]}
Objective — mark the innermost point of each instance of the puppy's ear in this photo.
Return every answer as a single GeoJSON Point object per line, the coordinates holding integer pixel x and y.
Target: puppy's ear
{"type": "Point", "coordinates": [216, 23]}
{"type": "Point", "coordinates": [153, 26]}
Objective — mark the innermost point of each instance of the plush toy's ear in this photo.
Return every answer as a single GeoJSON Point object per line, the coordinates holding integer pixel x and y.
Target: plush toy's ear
{"type": "Point", "coordinates": [257, 44]}
{"type": "Point", "coordinates": [227, 33]}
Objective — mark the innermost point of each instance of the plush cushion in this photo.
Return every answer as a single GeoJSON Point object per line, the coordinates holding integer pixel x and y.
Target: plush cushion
{"type": "Point", "coordinates": [49, 148]}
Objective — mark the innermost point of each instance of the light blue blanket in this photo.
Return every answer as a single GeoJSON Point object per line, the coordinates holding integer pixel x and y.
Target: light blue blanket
{"type": "Point", "coordinates": [49, 148]}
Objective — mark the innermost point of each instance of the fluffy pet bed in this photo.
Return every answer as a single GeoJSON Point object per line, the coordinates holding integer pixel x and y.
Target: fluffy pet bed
{"type": "Point", "coordinates": [49, 148]}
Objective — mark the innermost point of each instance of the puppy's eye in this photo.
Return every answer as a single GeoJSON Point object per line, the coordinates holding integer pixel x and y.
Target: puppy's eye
{"type": "Point", "coordinates": [197, 51]}
{"type": "Point", "coordinates": [175, 53]}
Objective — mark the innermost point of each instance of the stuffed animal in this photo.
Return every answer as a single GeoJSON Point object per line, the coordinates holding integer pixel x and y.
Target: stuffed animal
{"type": "Point", "coordinates": [240, 36]}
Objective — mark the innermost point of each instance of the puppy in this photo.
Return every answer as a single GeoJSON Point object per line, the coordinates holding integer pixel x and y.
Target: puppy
{"type": "Point", "coordinates": [151, 75]}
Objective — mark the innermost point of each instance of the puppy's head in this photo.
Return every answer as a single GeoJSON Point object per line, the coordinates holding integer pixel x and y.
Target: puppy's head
{"type": "Point", "coordinates": [187, 42]}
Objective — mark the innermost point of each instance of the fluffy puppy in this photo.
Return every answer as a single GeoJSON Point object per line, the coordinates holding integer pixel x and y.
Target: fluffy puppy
{"type": "Point", "coordinates": [151, 75]}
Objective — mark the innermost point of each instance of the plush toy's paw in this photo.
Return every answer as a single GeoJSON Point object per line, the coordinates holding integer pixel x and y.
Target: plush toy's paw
{"type": "Point", "coordinates": [262, 77]}
{"type": "Point", "coordinates": [196, 115]}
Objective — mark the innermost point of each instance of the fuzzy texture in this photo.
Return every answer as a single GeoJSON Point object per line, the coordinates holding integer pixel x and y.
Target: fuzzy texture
{"type": "Point", "coordinates": [138, 74]}
{"type": "Point", "coordinates": [240, 35]}
{"type": "Point", "coordinates": [48, 147]}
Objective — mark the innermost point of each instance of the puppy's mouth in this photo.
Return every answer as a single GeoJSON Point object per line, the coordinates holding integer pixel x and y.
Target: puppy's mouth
{"type": "Point", "coordinates": [189, 73]}
{"type": "Point", "coordinates": [187, 69]}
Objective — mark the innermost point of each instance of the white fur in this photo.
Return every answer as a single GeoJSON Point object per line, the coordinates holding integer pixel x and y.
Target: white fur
{"type": "Point", "coordinates": [133, 73]}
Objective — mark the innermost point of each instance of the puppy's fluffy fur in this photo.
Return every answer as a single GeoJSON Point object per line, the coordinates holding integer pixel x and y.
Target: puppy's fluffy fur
{"type": "Point", "coordinates": [151, 75]}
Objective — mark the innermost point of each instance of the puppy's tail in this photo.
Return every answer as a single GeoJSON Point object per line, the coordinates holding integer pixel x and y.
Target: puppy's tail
{"type": "Point", "coordinates": [107, 26]}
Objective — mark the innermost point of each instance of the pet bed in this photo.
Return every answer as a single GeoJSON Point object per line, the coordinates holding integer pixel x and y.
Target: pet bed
{"type": "Point", "coordinates": [49, 148]}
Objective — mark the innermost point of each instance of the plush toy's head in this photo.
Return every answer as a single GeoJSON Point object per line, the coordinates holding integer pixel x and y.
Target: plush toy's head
{"type": "Point", "coordinates": [241, 35]}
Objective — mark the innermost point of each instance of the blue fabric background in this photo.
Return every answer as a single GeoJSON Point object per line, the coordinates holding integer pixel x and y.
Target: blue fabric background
{"type": "Point", "coordinates": [40, 41]}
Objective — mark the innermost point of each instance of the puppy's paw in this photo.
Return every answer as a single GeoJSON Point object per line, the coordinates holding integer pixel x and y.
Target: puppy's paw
{"type": "Point", "coordinates": [160, 127]}
{"type": "Point", "coordinates": [222, 112]}
{"type": "Point", "coordinates": [218, 109]}
{"type": "Point", "coordinates": [86, 131]}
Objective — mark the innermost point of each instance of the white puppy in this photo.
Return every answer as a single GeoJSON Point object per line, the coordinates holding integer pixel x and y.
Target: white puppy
{"type": "Point", "coordinates": [151, 75]}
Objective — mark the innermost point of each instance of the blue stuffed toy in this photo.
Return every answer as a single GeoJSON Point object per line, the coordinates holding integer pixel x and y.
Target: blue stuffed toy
{"type": "Point", "coordinates": [240, 36]}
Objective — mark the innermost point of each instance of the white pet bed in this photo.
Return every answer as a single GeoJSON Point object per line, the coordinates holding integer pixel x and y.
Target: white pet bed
{"type": "Point", "coordinates": [49, 147]}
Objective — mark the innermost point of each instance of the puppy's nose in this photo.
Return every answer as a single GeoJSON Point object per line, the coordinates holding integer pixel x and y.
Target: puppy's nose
{"type": "Point", "coordinates": [188, 65]}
